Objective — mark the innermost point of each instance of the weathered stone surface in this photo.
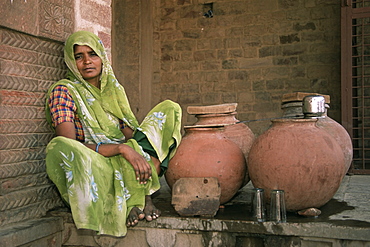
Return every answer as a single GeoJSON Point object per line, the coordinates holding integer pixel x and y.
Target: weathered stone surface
{"type": "Point", "coordinates": [189, 239]}
{"type": "Point", "coordinates": [9, 185]}
{"type": "Point", "coordinates": [156, 237]}
{"type": "Point", "coordinates": [305, 26]}
{"type": "Point", "coordinates": [20, 15]}
{"type": "Point", "coordinates": [52, 19]}
{"type": "Point", "coordinates": [75, 237]}
{"type": "Point", "coordinates": [93, 11]}
{"type": "Point", "coordinates": [29, 212]}
{"type": "Point", "coordinates": [21, 155]}
{"type": "Point", "coordinates": [53, 240]}
{"type": "Point", "coordinates": [28, 67]}
{"type": "Point", "coordinates": [16, 141]}
{"type": "Point", "coordinates": [24, 126]}
{"type": "Point", "coordinates": [196, 196]}
{"type": "Point", "coordinates": [21, 112]}
{"type": "Point", "coordinates": [211, 98]}
{"type": "Point", "coordinates": [22, 168]}
{"type": "Point", "coordinates": [22, 98]}
{"type": "Point", "coordinates": [42, 232]}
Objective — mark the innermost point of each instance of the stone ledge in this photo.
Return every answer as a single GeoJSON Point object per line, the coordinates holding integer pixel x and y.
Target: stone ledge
{"type": "Point", "coordinates": [29, 231]}
{"type": "Point", "coordinates": [342, 219]}
{"type": "Point", "coordinates": [335, 230]}
{"type": "Point", "coordinates": [156, 237]}
{"type": "Point", "coordinates": [310, 229]}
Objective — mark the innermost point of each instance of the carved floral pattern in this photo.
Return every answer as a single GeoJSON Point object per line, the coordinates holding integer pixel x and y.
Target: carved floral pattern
{"type": "Point", "coordinates": [51, 19]}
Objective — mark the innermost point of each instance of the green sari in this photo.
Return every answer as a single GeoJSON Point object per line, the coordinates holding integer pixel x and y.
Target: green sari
{"type": "Point", "coordinates": [100, 190]}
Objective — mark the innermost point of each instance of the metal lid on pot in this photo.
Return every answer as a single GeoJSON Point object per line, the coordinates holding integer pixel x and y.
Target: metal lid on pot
{"type": "Point", "coordinates": [314, 106]}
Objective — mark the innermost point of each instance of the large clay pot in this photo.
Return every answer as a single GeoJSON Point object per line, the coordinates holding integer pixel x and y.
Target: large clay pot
{"type": "Point", "coordinates": [300, 158]}
{"type": "Point", "coordinates": [207, 152]}
{"type": "Point", "coordinates": [341, 135]}
{"type": "Point", "coordinates": [294, 109]}
{"type": "Point", "coordinates": [237, 132]}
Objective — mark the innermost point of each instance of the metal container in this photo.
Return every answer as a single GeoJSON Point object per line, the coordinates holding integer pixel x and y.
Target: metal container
{"type": "Point", "coordinates": [314, 106]}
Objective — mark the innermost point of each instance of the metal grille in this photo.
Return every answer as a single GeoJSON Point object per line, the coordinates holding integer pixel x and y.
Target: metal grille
{"type": "Point", "coordinates": [356, 80]}
{"type": "Point", "coordinates": [361, 91]}
{"type": "Point", "coordinates": [360, 3]}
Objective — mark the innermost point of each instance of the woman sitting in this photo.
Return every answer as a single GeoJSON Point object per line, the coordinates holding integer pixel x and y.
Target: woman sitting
{"type": "Point", "coordinates": [104, 164]}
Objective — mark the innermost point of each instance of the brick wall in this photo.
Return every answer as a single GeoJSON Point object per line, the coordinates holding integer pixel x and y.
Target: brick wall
{"type": "Point", "coordinates": [28, 67]}
{"type": "Point", "coordinates": [32, 33]}
{"type": "Point", "coordinates": [250, 52]}
{"type": "Point", "coordinates": [30, 61]}
{"type": "Point", "coordinates": [95, 16]}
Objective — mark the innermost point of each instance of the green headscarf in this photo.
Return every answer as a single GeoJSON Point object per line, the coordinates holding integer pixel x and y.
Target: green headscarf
{"type": "Point", "coordinates": [111, 95]}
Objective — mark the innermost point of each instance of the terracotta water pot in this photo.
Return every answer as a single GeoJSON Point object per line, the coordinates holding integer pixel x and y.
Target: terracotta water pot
{"type": "Point", "coordinates": [237, 132]}
{"type": "Point", "coordinates": [297, 156]}
{"type": "Point", "coordinates": [294, 109]}
{"type": "Point", "coordinates": [341, 135]}
{"type": "Point", "coordinates": [207, 152]}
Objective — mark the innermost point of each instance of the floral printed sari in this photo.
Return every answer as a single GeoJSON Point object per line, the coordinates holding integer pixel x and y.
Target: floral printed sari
{"type": "Point", "coordinates": [100, 190]}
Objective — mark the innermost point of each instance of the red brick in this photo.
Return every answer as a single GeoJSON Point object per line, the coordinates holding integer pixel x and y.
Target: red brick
{"type": "Point", "coordinates": [92, 11]}
{"type": "Point", "coordinates": [105, 38]}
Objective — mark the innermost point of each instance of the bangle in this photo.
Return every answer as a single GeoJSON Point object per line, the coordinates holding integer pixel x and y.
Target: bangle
{"type": "Point", "coordinates": [97, 147]}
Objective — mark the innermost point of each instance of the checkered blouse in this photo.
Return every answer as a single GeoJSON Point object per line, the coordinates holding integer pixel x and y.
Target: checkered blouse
{"type": "Point", "coordinates": [63, 109]}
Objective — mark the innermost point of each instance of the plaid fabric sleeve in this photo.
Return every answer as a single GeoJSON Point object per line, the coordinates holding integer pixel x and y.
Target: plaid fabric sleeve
{"type": "Point", "coordinates": [62, 106]}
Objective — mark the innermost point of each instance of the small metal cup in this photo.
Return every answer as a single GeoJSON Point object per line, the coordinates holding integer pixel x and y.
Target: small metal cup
{"type": "Point", "coordinates": [258, 206]}
{"type": "Point", "coordinates": [277, 206]}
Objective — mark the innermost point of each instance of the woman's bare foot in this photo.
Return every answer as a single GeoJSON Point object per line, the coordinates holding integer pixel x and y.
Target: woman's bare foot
{"type": "Point", "coordinates": [134, 216]}
{"type": "Point", "coordinates": [150, 211]}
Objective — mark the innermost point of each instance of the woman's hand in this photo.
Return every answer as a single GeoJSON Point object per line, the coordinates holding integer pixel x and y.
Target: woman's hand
{"type": "Point", "coordinates": [142, 168]}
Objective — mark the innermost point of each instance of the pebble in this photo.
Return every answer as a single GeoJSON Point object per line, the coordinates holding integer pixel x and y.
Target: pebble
{"type": "Point", "coordinates": [310, 212]}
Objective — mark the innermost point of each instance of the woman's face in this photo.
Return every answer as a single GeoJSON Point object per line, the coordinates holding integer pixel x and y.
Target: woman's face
{"type": "Point", "coordinates": [88, 63]}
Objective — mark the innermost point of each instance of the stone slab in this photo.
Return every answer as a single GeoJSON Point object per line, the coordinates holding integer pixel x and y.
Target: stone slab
{"type": "Point", "coordinates": [54, 240]}
{"type": "Point", "coordinates": [20, 15]}
{"type": "Point", "coordinates": [212, 109]}
{"type": "Point", "coordinates": [196, 196]}
{"type": "Point", "coordinates": [45, 18]}
{"type": "Point", "coordinates": [30, 231]}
